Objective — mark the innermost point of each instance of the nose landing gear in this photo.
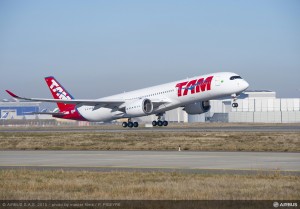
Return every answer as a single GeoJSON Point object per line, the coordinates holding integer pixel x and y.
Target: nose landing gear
{"type": "Point", "coordinates": [234, 99]}
{"type": "Point", "coordinates": [235, 104]}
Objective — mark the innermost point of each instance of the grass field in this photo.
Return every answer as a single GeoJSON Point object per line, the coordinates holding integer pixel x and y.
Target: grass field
{"type": "Point", "coordinates": [194, 141]}
{"type": "Point", "coordinates": [72, 185]}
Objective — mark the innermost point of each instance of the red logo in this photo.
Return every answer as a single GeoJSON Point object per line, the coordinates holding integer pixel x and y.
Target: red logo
{"type": "Point", "coordinates": [195, 86]}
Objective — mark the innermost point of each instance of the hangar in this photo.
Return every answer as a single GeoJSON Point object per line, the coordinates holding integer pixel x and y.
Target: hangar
{"type": "Point", "coordinates": [256, 106]}
{"type": "Point", "coordinates": [19, 110]}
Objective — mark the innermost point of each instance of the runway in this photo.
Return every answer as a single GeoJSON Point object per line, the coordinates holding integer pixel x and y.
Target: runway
{"type": "Point", "coordinates": [204, 128]}
{"type": "Point", "coordinates": [164, 161]}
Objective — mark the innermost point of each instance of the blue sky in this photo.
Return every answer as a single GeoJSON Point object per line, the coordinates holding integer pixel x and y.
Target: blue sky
{"type": "Point", "coordinates": [98, 48]}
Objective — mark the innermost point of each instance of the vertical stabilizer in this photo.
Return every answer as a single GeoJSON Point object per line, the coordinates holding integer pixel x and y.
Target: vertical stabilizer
{"type": "Point", "coordinates": [59, 92]}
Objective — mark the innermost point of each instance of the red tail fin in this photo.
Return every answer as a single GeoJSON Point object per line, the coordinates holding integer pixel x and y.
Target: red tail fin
{"type": "Point", "coordinates": [59, 92]}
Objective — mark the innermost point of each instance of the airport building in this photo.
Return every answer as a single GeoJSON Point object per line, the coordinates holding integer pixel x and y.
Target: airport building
{"type": "Point", "coordinates": [257, 107]}
{"type": "Point", "coordinates": [18, 110]}
{"type": "Point", "coordinates": [253, 107]}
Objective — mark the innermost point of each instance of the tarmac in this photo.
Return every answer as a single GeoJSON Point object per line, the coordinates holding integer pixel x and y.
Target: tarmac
{"type": "Point", "coordinates": [117, 128]}
{"type": "Point", "coordinates": [148, 161]}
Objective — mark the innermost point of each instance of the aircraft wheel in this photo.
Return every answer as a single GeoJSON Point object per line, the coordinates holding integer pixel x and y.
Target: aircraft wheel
{"type": "Point", "coordinates": [159, 123]}
{"type": "Point", "coordinates": [154, 123]}
{"type": "Point", "coordinates": [135, 124]}
{"type": "Point", "coordinates": [235, 104]}
{"type": "Point", "coordinates": [124, 124]}
{"type": "Point", "coordinates": [165, 123]}
{"type": "Point", "coordinates": [130, 124]}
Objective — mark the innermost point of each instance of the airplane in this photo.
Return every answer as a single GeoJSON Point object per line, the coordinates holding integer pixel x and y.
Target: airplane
{"type": "Point", "coordinates": [192, 94]}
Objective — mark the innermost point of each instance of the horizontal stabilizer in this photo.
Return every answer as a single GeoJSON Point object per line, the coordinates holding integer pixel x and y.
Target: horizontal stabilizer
{"type": "Point", "coordinates": [44, 113]}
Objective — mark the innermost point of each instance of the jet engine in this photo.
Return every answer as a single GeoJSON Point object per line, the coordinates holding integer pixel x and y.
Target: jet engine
{"type": "Point", "coordinates": [139, 107]}
{"type": "Point", "coordinates": [197, 107]}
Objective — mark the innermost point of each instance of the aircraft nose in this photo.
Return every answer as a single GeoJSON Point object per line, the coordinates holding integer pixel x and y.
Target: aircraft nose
{"type": "Point", "coordinates": [245, 84]}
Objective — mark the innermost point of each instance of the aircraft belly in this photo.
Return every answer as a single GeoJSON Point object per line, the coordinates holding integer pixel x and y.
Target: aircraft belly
{"type": "Point", "coordinates": [97, 115]}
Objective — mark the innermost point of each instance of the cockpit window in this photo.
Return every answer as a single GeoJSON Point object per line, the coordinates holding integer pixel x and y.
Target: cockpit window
{"type": "Point", "coordinates": [235, 77]}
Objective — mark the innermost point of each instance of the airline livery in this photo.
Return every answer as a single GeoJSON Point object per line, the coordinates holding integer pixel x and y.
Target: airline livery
{"type": "Point", "coordinates": [192, 94]}
{"type": "Point", "coordinates": [5, 115]}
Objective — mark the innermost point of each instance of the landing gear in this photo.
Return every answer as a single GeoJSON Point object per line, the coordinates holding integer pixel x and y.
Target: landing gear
{"type": "Point", "coordinates": [130, 124]}
{"type": "Point", "coordinates": [165, 123]}
{"type": "Point", "coordinates": [159, 121]}
{"type": "Point", "coordinates": [234, 99]}
{"type": "Point", "coordinates": [235, 104]}
{"type": "Point", "coordinates": [135, 124]}
{"type": "Point", "coordinates": [124, 124]}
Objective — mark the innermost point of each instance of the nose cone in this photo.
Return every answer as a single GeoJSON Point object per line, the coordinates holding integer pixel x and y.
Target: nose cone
{"type": "Point", "coordinates": [245, 84]}
{"type": "Point", "coordinates": [242, 85]}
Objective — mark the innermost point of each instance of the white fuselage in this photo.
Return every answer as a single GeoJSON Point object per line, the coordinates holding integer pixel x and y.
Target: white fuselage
{"type": "Point", "coordinates": [172, 95]}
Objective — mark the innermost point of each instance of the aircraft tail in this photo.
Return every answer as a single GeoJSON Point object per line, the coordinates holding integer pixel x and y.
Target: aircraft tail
{"type": "Point", "coordinates": [59, 92]}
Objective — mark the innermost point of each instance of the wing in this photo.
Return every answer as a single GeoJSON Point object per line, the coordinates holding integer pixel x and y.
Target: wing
{"type": "Point", "coordinates": [88, 102]}
{"type": "Point", "coordinates": [110, 103]}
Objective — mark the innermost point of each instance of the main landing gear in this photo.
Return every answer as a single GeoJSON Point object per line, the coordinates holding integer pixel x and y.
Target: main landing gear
{"type": "Point", "coordinates": [130, 124]}
{"type": "Point", "coordinates": [160, 121]}
{"type": "Point", "coordinates": [234, 103]}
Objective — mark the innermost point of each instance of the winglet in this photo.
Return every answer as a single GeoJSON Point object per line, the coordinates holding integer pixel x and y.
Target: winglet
{"type": "Point", "coordinates": [12, 94]}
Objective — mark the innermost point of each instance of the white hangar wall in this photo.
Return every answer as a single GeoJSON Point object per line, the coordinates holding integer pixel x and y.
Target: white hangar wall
{"type": "Point", "coordinates": [254, 107]}
{"type": "Point", "coordinates": [264, 107]}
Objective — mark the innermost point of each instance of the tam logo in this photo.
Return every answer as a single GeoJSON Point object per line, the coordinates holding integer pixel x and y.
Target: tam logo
{"type": "Point", "coordinates": [195, 86]}
{"type": "Point", "coordinates": [60, 93]}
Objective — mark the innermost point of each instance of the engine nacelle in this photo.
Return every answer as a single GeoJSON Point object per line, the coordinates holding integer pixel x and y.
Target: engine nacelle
{"type": "Point", "coordinates": [197, 107]}
{"type": "Point", "coordinates": [139, 107]}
